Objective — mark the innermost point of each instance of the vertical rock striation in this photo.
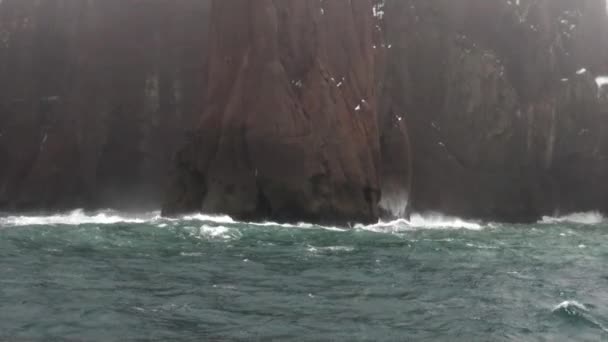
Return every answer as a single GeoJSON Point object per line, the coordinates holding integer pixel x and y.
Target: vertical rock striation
{"type": "Point", "coordinates": [501, 102]}
{"type": "Point", "coordinates": [94, 99]}
{"type": "Point", "coordinates": [290, 131]}
{"type": "Point", "coordinates": [328, 111]}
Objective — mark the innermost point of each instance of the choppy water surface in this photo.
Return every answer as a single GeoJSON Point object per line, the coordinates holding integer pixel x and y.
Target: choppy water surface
{"type": "Point", "coordinates": [109, 276]}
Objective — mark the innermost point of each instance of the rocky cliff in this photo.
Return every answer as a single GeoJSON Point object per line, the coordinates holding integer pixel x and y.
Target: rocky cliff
{"type": "Point", "coordinates": [502, 104]}
{"type": "Point", "coordinates": [291, 128]}
{"type": "Point", "coordinates": [324, 111]}
{"type": "Point", "coordinates": [95, 97]}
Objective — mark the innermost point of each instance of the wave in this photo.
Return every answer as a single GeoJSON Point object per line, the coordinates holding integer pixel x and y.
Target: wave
{"type": "Point", "coordinates": [108, 217]}
{"type": "Point", "coordinates": [301, 225]}
{"type": "Point", "coordinates": [570, 306]}
{"type": "Point", "coordinates": [435, 220]}
{"type": "Point", "coordinates": [203, 217]}
{"type": "Point", "coordinates": [78, 217]}
{"type": "Point", "coordinates": [314, 249]}
{"type": "Point", "coordinates": [589, 218]}
{"type": "Point", "coordinates": [105, 217]}
{"type": "Point", "coordinates": [217, 232]}
{"type": "Point", "coordinates": [578, 313]}
{"type": "Point", "coordinates": [420, 221]}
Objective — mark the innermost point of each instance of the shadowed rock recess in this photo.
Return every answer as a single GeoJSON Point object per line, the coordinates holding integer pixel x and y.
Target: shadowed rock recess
{"type": "Point", "coordinates": [328, 111]}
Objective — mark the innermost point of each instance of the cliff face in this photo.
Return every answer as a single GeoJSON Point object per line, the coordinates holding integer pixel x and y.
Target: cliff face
{"type": "Point", "coordinates": [324, 111]}
{"type": "Point", "coordinates": [501, 102]}
{"type": "Point", "coordinates": [291, 129]}
{"type": "Point", "coordinates": [95, 97]}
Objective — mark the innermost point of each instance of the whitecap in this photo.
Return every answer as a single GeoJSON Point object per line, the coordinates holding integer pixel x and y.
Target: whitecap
{"type": "Point", "coordinates": [479, 246]}
{"type": "Point", "coordinates": [215, 232]}
{"type": "Point", "coordinates": [589, 218]}
{"type": "Point", "coordinates": [440, 221]}
{"type": "Point", "coordinates": [574, 308]}
{"type": "Point", "coordinates": [190, 254]}
{"type": "Point", "coordinates": [301, 225]}
{"type": "Point", "coordinates": [78, 217]}
{"type": "Point", "coordinates": [420, 221]}
{"type": "Point", "coordinates": [108, 217]}
{"type": "Point", "coordinates": [570, 304]}
{"type": "Point", "coordinates": [314, 249]}
{"type": "Point", "coordinates": [340, 248]}
{"type": "Point", "coordinates": [205, 218]}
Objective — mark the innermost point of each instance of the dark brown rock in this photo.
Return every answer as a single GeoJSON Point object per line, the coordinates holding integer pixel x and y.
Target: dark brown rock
{"type": "Point", "coordinates": [502, 125]}
{"type": "Point", "coordinates": [290, 131]}
{"type": "Point", "coordinates": [95, 97]}
{"type": "Point", "coordinates": [305, 110]}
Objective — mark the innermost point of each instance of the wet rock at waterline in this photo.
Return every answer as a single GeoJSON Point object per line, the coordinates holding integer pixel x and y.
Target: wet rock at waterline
{"type": "Point", "coordinates": [290, 131]}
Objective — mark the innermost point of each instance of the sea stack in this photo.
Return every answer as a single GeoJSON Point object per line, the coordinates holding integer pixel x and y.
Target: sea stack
{"type": "Point", "coordinates": [290, 131]}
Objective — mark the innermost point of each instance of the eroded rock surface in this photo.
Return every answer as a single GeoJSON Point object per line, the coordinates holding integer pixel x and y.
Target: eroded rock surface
{"type": "Point", "coordinates": [94, 99]}
{"type": "Point", "coordinates": [305, 110]}
{"type": "Point", "coordinates": [291, 131]}
{"type": "Point", "coordinates": [500, 99]}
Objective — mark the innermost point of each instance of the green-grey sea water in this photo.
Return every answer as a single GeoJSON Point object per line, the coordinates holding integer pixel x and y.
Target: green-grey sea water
{"type": "Point", "coordinates": [116, 277]}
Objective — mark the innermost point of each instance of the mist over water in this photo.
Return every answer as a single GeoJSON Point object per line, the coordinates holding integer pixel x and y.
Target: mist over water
{"type": "Point", "coordinates": [113, 276]}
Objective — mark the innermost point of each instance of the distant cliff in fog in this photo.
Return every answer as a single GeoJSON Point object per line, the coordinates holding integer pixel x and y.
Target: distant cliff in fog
{"type": "Point", "coordinates": [95, 97]}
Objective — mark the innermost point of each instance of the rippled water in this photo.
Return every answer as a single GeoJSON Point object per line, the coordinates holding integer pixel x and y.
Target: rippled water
{"type": "Point", "coordinates": [110, 277]}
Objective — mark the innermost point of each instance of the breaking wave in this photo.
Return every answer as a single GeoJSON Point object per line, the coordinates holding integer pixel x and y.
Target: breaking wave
{"type": "Point", "coordinates": [578, 313]}
{"type": "Point", "coordinates": [78, 217]}
{"type": "Point", "coordinates": [419, 221]}
{"type": "Point", "coordinates": [108, 217]}
{"type": "Point", "coordinates": [105, 217]}
{"type": "Point", "coordinates": [218, 232]}
{"type": "Point", "coordinates": [589, 218]}
{"type": "Point", "coordinates": [202, 217]}
{"type": "Point", "coordinates": [570, 307]}
{"type": "Point", "coordinates": [435, 221]}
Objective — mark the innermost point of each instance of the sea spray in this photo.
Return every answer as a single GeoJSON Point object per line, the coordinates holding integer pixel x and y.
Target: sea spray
{"type": "Point", "coordinates": [587, 218]}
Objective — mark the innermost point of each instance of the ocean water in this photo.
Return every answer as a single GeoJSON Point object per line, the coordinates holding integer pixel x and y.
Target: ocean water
{"type": "Point", "coordinates": [109, 276]}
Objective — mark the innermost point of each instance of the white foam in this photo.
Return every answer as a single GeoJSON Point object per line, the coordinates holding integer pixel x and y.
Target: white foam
{"type": "Point", "coordinates": [217, 232]}
{"type": "Point", "coordinates": [301, 225]}
{"type": "Point", "coordinates": [589, 218]}
{"type": "Point", "coordinates": [314, 249]}
{"type": "Point", "coordinates": [572, 307]}
{"type": "Point", "coordinates": [207, 218]}
{"type": "Point", "coordinates": [441, 221]}
{"type": "Point", "coordinates": [569, 305]}
{"type": "Point", "coordinates": [419, 221]}
{"type": "Point", "coordinates": [191, 254]}
{"type": "Point", "coordinates": [78, 217]}
{"type": "Point", "coordinates": [108, 217]}
{"type": "Point", "coordinates": [480, 246]}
